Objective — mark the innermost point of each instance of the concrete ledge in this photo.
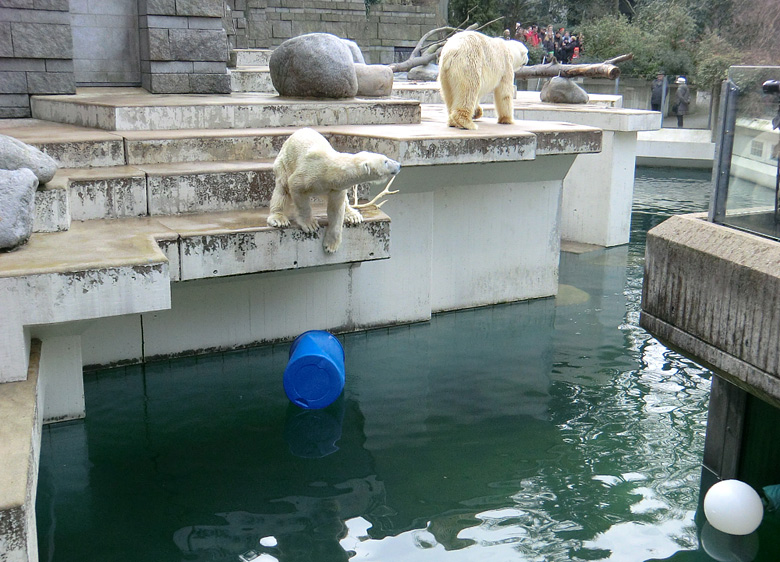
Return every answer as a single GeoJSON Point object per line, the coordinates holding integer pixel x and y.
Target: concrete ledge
{"type": "Point", "coordinates": [135, 109]}
{"type": "Point", "coordinates": [20, 445]}
{"type": "Point", "coordinates": [251, 79]}
{"type": "Point", "coordinates": [249, 57]}
{"type": "Point", "coordinates": [679, 148]}
{"type": "Point", "coordinates": [712, 291]}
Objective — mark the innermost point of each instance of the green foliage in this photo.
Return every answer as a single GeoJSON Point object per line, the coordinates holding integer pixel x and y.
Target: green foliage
{"type": "Point", "coordinates": [714, 55]}
{"type": "Point", "coordinates": [477, 11]}
{"type": "Point", "coordinates": [535, 54]}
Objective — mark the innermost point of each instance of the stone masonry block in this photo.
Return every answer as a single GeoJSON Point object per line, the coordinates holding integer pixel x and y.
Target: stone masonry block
{"type": "Point", "coordinates": [15, 112]}
{"type": "Point", "coordinates": [218, 67]}
{"type": "Point", "coordinates": [160, 7]}
{"type": "Point", "coordinates": [59, 65]}
{"type": "Point", "coordinates": [171, 67]}
{"type": "Point", "coordinates": [198, 45]}
{"type": "Point", "coordinates": [53, 5]}
{"type": "Point", "coordinates": [210, 83]}
{"type": "Point", "coordinates": [51, 83]}
{"type": "Point", "coordinates": [42, 41]}
{"type": "Point", "coordinates": [166, 22]}
{"type": "Point", "coordinates": [204, 23]}
{"type": "Point", "coordinates": [159, 45]}
{"type": "Point", "coordinates": [6, 47]}
{"type": "Point", "coordinates": [282, 28]}
{"type": "Point", "coordinates": [22, 64]}
{"type": "Point", "coordinates": [13, 82]}
{"type": "Point", "coordinates": [211, 8]}
{"type": "Point", "coordinates": [14, 100]}
{"type": "Point", "coordinates": [169, 84]}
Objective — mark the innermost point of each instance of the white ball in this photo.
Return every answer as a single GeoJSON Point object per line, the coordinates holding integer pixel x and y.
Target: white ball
{"type": "Point", "coordinates": [733, 507]}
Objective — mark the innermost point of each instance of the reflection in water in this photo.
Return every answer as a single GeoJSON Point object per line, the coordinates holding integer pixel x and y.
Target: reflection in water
{"type": "Point", "coordinates": [551, 430]}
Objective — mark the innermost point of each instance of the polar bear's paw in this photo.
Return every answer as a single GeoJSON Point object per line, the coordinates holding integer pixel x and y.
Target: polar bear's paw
{"type": "Point", "coordinates": [461, 118]}
{"type": "Point", "coordinates": [310, 226]}
{"type": "Point", "coordinates": [331, 242]}
{"type": "Point", "coordinates": [278, 220]}
{"type": "Point", "coordinates": [352, 216]}
{"type": "Point", "coordinates": [478, 112]}
{"type": "Point", "coordinates": [506, 120]}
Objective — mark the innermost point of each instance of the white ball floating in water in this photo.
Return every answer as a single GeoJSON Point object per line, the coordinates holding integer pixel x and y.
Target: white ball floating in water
{"type": "Point", "coordinates": [733, 507]}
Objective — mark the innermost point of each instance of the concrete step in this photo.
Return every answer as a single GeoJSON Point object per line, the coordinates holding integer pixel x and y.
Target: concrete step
{"type": "Point", "coordinates": [249, 57]}
{"type": "Point", "coordinates": [134, 109]}
{"type": "Point", "coordinates": [199, 246]}
{"type": "Point", "coordinates": [251, 79]}
{"type": "Point", "coordinates": [152, 190]}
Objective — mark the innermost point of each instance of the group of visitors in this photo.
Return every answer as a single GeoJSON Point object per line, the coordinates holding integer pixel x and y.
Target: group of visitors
{"type": "Point", "coordinates": [561, 44]}
{"type": "Point", "coordinates": [682, 97]}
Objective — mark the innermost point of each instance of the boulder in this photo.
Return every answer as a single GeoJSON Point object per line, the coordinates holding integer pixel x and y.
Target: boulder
{"type": "Point", "coordinates": [14, 155]}
{"type": "Point", "coordinates": [357, 54]}
{"type": "Point", "coordinates": [425, 73]}
{"type": "Point", "coordinates": [17, 207]}
{"type": "Point", "coordinates": [315, 65]}
{"type": "Point", "coordinates": [374, 80]}
{"type": "Point", "coordinates": [563, 90]}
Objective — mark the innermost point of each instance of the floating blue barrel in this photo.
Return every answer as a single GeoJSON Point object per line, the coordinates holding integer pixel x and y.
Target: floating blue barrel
{"type": "Point", "coordinates": [314, 376]}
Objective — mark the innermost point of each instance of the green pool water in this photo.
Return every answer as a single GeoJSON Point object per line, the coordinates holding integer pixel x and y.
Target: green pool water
{"type": "Point", "coordinates": [551, 430]}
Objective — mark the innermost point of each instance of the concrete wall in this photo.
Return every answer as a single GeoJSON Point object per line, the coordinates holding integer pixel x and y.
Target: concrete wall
{"type": "Point", "coordinates": [391, 23]}
{"type": "Point", "coordinates": [712, 292]}
{"type": "Point", "coordinates": [105, 42]}
{"type": "Point", "coordinates": [184, 46]}
{"type": "Point", "coordinates": [36, 53]}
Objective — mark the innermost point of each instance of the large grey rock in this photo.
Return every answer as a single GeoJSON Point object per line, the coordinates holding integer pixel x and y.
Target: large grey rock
{"type": "Point", "coordinates": [425, 73]}
{"type": "Point", "coordinates": [563, 90]}
{"type": "Point", "coordinates": [357, 54]}
{"type": "Point", "coordinates": [14, 155]}
{"type": "Point", "coordinates": [17, 207]}
{"type": "Point", "coordinates": [315, 65]}
{"type": "Point", "coordinates": [374, 80]}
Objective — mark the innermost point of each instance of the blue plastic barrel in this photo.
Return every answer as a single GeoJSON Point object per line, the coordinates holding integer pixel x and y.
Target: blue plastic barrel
{"type": "Point", "coordinates": [314, 376]}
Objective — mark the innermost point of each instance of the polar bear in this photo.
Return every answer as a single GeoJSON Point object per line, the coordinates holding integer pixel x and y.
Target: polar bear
{"type": "Point", "coordinates": [308, 166]}
{"type": "Point", "coordinates": [470, 66]}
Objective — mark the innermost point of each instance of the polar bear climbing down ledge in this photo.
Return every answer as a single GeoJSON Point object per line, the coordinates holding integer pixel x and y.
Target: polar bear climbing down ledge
{"type": "Point", "coordinates": [307, 166]}
{"type": "Point", "coordinates": [472, 65]}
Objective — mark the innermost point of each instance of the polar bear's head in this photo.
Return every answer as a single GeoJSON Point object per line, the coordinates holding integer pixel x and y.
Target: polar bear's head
{"type": "Point", "coordinates": [519, 54]}
{"type": "Point", "coordinates": [375, 166]}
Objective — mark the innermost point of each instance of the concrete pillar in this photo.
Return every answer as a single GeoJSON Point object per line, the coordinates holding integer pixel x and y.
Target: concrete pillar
{"type": "Point", "coordinates": [598, 192]}
{"type": "Point", "coordinates": [61, 379]}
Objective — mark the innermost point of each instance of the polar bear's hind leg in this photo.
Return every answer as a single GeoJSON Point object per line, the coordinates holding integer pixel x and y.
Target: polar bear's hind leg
{"type": "Point", "coordinates": [503, 99]}
{"type": "Point", "coordinates": [280, 202]}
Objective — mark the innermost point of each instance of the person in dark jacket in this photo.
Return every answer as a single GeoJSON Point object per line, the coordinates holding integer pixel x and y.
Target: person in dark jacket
{"type": "Point", "coordinates": [681, 100]}
{"type": "Point", "coordinates": [657, 92]}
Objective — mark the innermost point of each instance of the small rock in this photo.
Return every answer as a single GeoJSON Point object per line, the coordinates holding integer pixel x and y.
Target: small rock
{"type": "Point", "coordinates": [426, 73]}
{"type": "Point", "coordinates": [17, 207]}
{"type": "Point", "coordinates": [563, 90]}
{"type": "Point", "coordinates": [14, 155]}
{"type": "Point", "coordinates": [374, 80]}
{"type": "Point", "coordinates": [357, 54]}
{"type": "Point", "coordinates": [315, 65]}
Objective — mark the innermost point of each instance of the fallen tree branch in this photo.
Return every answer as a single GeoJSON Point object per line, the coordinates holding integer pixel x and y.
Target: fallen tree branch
{"type": "Point", "coordinates": [606, 69]}
{"type": "Point", "coordinates": [417, 59]}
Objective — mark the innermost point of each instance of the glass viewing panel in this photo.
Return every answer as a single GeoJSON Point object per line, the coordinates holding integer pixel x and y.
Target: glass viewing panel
{"type": "Point", "coordinates": [746, 176]}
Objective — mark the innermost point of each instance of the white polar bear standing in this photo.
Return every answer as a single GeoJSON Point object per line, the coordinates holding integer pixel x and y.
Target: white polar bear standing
{"type": "Point", "coordinates": [308, 166]}
{"type": "Point", "coordinates": [473, 64]}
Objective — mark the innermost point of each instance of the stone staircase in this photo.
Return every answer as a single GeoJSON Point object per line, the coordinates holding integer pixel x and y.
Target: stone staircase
{"type": "Point", "coordinates": [248, 70]}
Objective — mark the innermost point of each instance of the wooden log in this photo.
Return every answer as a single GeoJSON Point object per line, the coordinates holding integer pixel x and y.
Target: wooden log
{"type": "Point", "coordinates": [606, 69]}
{"type": "Point", "coordinates": [598, 70]}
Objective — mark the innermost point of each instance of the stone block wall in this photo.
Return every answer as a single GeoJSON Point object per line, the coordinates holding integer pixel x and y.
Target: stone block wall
{"type": "Point", "coordinates": [183, 46]}
{"type": "Point", "coordinates": [264, 24]}
{"type": "Point", "coordinates": [36, 53]}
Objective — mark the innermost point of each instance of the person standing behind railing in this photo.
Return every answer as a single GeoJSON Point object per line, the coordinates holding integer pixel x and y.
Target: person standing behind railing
{"type": "Point", "coordinates": [682, 99]}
